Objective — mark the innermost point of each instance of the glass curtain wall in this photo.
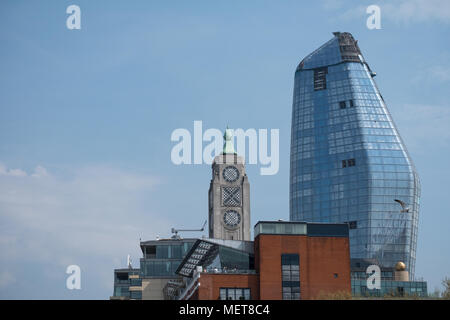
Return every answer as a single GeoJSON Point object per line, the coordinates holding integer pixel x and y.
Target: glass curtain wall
{"type": "Point", "coordinates": [348, 162]}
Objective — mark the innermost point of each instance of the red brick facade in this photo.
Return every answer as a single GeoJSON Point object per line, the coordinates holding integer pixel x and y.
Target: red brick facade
{"type": "Point", "coordinates": [211, 283]}
{"type": "Point", "coordinates": [324, 264]}
{"type": "Point", "coordinates": [324, 268]}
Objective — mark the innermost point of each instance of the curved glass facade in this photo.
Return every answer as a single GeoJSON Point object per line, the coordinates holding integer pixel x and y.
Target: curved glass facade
{"type": "Point", "coordinates": [348, 162]}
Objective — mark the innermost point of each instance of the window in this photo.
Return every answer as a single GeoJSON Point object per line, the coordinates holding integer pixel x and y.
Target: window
{"type": "Point", "coordinates": [348, 163]}
{"type": "Point", "coordinates": [186, 247]}
{"type": "Point", "coordinates": [122, 276]}
{"type": "Point", "coordinates": [175, 251]}
{"type": "Point", "coordinates": [234, 294]}
{"type": "Point", "coordinates": [121, 291]}
{"type": "Point", "coordinates": [162, 252]}
{"type": "Point", "coordinates": [136, 295]}
{"type": "Point", "coordinates": [150, 252]}
{"type": "Point", "coordinates": [336, 275]}
{"type": "Point", "coordinates": [152, 268]}
{"type": "Point", "coordinates": [352, 224]}
{"type": "Point", "coordinates": [342, 104]}
{"type": "Point", "coordinates": [320, 80]}
{"type": "Point", "coordinates": [364, 291]}
{"type": "Point", "coordinates": [290, 276]}
{"type": "Point", "coordinates": [351, 103]}
{"type": "Point", "coordinates": [231, 196]}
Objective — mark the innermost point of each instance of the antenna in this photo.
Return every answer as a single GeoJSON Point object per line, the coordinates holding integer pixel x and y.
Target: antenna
{"type": "Point", "coordinates": [175, 231]}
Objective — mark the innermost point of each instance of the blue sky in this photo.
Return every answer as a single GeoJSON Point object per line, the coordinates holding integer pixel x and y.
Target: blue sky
{"type": "Point", "coordinates": [86, 118]}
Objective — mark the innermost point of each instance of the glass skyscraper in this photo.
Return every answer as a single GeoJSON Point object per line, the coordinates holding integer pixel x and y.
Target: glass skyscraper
{"type": "Point", "coordinates": [348, 162]}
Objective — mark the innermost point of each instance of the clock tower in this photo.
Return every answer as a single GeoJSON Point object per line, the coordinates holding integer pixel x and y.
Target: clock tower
{"type": "Point", "coordinates": [229, 195]}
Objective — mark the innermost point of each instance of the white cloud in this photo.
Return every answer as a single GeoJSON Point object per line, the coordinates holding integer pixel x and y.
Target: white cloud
{"type": "Point", "coordinates": [441, 73]}
{"type": "Point", "coordinates": [423, 127]}
{"type": "Point", "coordinates": [431, 75]}
{"type": "Point", "coordinates": [92, 219]}
{"type": "Point", "coordinates": [11, 172]}
{"type": "Point", "coordinates": [407, 11]}
{"type": "Point", "coordinates": [433, 71]}
{"type": "Point", "coordinates": [40, 172]}
{"type": "Point", "coordinates": [399, 11]}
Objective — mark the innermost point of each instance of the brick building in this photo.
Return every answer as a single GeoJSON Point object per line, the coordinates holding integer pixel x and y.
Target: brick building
{"type": "Point", "coordinates": [287, 260]}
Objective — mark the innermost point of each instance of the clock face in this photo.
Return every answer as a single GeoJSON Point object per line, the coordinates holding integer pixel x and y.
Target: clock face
{"type": "Point", "coordinates": [231, 218]}
{"type": "Point", "coordinates": [230, 173]}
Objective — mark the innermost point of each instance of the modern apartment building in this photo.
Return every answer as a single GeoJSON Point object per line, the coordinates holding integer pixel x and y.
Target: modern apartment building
{"type": "Point", "coordinates": [348, 161]}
